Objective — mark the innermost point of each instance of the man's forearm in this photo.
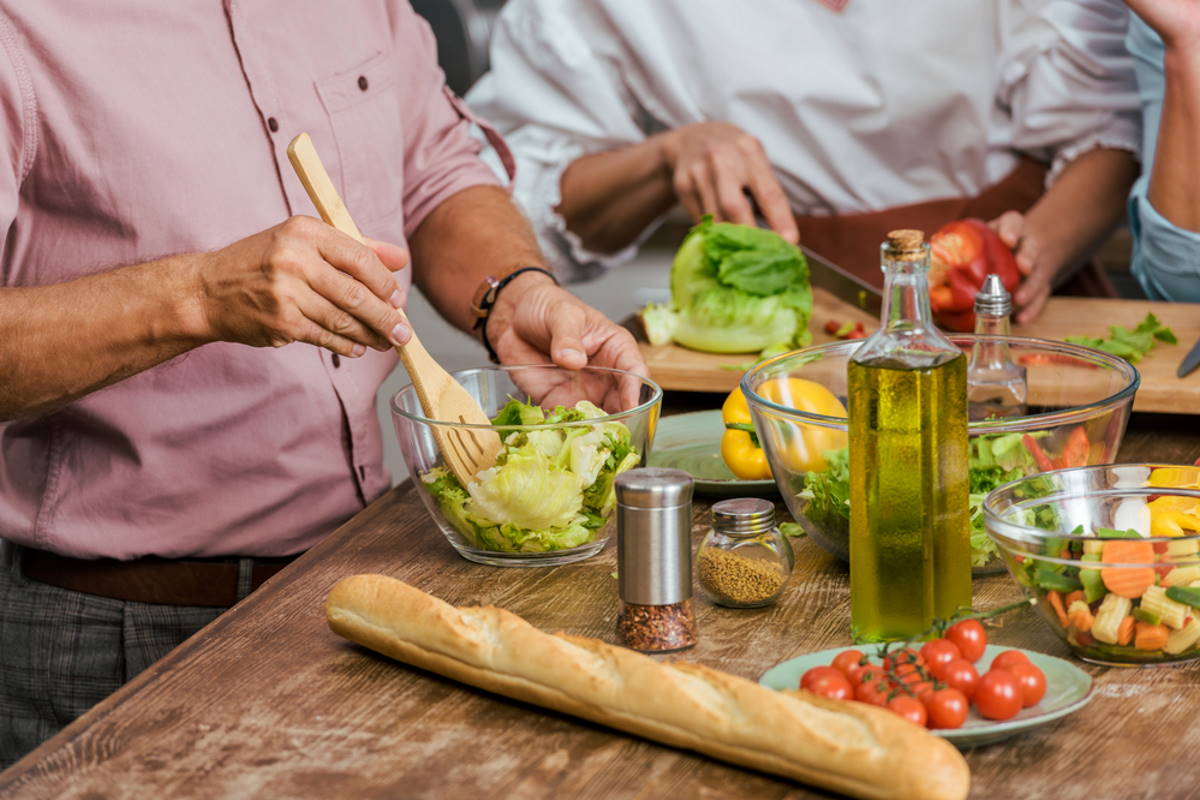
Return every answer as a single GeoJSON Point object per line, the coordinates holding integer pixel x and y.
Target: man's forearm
{"type": "Point", "coordinates": [62, 341]}
{"type": "Point", "coordinates": [1081, 208]}
{"type": "Point", "coordinates": [1174, 191]}
{"type": "Point", "coordinates": [475, 233]}
{"type": "Point", "coordinates": [609, 198]}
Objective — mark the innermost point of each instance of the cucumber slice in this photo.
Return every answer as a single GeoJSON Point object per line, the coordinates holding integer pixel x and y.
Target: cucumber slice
{"type": "Point", "coordinates": [1147, 616]}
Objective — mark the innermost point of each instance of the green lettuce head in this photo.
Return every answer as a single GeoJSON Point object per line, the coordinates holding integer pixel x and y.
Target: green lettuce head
{"type": "Point", "coordinates": [734, 289]}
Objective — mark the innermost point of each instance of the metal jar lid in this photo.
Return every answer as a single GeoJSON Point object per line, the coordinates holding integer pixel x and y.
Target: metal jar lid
{"type": "Point", "coordinates": [654, 536]}
{"type": "Point", "coordinates": [743, 516]}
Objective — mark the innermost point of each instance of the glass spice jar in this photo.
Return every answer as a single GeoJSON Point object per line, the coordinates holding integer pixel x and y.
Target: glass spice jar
{"type": "Point", "coordinates": [654, 560]}
{"type": "Point", "coordinates": [744, 560]}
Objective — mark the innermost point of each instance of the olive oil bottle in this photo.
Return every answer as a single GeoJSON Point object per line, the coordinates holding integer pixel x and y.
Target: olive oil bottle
{"type": "Point", "coordinates": [910, 550]}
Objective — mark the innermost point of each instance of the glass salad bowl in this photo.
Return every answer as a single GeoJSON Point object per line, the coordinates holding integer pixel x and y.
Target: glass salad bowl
{"type": "Point", "coordinates": [1078, 403]}
{"type": "Point", "coordinates": [548, 500]}
{"type": "Point", "coordinates": [1109, 555]}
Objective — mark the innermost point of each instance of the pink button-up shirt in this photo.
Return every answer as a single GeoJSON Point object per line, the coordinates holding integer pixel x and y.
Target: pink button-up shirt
{"type": "Point", "coordinates": [132, 129]}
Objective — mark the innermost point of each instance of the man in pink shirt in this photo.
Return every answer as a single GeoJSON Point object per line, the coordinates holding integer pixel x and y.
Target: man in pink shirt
{"type": "Point", "coordinates": [170, 434]}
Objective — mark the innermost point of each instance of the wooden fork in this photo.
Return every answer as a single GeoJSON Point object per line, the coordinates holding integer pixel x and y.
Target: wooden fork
{"type": "Point", "coordinates": [466, 450]}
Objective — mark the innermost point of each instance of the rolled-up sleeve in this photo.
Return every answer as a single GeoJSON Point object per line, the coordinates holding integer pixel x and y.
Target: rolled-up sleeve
{"type": "Point", "coordinates": [555, 96]}
{"type": "Point", "coordinates": [441, 158]}
{"type": "Point", "coordinates": [1166, 258]}
{"type": "Point", "coordinates": [1068, 83]}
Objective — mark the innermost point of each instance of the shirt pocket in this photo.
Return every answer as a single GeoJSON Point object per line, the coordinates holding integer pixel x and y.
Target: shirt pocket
{"type": "Point", "coordinates": [363, 104]}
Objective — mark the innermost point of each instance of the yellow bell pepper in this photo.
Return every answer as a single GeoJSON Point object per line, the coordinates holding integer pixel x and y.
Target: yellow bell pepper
{"type": "Point", "coordinates": [1175, 477]}
{"type": "Point", "coordinates": [803, 445]}
{"type": "Point", "coordinates": [740, 448]}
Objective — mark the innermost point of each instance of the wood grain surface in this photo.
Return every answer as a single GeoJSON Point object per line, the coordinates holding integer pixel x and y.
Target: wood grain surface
{"type": "Point", "coordinates": [678, 368]}
{"type": "Point", "coordinates": [267, 702]}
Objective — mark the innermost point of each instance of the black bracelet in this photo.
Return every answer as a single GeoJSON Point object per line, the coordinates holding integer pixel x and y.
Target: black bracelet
{"type": "Point", "coordinates": [483, 307]}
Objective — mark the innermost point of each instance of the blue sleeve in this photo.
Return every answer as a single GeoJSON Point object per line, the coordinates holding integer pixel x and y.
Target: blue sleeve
{"type": "Point", "coordinates": [1166, 258]}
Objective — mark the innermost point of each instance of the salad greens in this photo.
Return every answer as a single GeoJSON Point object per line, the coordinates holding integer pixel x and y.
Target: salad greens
{"type": "Point", "coordinates": [995, 459]}
{"type": "Point", "coordinates": [550, 489]}
{"type": "Point", "coordinates": [734, 289]}
{"type": "Point", "coordinates": [1130, 344]}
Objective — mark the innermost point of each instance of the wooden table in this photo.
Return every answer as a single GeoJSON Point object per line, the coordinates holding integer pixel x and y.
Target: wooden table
{"type": "Point", "coordinates": [267, 702]}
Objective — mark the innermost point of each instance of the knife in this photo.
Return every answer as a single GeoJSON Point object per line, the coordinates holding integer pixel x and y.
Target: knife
{"type": "Point", "coordinates": [1190, 361]}
{"type": "Point", "coordinates": [842, 284]}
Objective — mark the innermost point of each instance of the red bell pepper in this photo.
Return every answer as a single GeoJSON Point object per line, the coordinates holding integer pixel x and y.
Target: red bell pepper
{"type": "Point", "coordinates": [1075, 451]}
{"type": "Point", "coordinates": [964, 252]}
{"type": "Point", "coordinates": [1039, 455]}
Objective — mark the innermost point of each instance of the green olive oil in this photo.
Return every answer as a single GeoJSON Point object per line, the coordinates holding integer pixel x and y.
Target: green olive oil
{"type": "Point", "coordinates": [910, 549]}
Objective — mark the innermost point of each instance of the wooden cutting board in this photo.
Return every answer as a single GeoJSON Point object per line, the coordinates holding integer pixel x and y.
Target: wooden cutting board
{"type": "Point", "coordinates": [677, 368]}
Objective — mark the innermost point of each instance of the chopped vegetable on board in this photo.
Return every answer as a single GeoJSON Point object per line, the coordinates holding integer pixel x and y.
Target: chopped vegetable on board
{"type": "Point", "coordinates": [1131, 345]}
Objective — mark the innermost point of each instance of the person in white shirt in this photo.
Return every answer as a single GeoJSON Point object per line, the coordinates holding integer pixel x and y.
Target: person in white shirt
{"type": "Point", "coordinates": [834, 121]}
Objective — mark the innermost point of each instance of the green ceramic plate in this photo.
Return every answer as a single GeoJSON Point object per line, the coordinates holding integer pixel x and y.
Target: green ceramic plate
{"type": "Point", "coordinates": [692, 443]}
{"type": "Point", "coordinates": [1068, 689]}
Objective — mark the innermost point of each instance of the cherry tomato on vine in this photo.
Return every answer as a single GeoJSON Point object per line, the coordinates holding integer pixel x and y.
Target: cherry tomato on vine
{"type": "Point", "coordinates": [922, 691]}
{"type": "Point", "coordinates": [960, 674]}
{"type": "Point", "coordinates": [1008, 658]}
{"type": "Point", "coordinates": [947, 708]}
{"type": "Point", "coordinates": [998, 695]}
{"type": "Point", "coordinates": [847, 659]}
{"type": "Point", "coordinates": [872, 693]}
{"type": "Point", "coordinates": [1032, 682]}
{"type": "Point", "coordinates": [910, 708]}
{"type": "Point", "coordinates": [938, 652]}
{"type": "Point", "coordinates": [970, 637]}
{"type": "Point", "coordinates": [900, 658]}
{"type": "Point", "coordinates": [817, 673]}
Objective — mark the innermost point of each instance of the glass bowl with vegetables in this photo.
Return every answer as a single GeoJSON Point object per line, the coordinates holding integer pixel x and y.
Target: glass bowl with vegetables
{"type": "Point", "coordinates": [1110, 555]}
{"type": "Point", "coordinates": [566, 435]}
{"type": "Point", "coordinates": [1077, 401]}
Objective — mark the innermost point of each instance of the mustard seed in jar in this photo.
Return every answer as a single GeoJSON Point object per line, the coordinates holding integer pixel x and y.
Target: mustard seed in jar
{"type": "Point", "coordinates": [745, 560]}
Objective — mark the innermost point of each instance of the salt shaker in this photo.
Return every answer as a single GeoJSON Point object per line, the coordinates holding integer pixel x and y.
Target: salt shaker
{"type": "Point", "coordinates": [995, 385]}
{"type": "Point", "coordinates": [745, 560]}
{"type": "Point", "coordinates": [654, 559]}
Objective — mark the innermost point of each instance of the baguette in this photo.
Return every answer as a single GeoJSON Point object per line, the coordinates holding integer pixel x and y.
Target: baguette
{"type": "Point", "coordinates": [853, 748]}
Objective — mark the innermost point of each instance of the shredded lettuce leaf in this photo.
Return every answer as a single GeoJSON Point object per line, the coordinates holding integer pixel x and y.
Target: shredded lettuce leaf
{"type": "Point", "coordinates": [550, 489]}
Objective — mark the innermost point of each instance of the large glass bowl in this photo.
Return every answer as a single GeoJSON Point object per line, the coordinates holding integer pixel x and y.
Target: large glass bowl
{"type": "Point", "coordinates": [1070, 388]}
{"type": "Point", "coordinates": [629, 400]}
{"type": "Point", "coordinates": [1108, 598]}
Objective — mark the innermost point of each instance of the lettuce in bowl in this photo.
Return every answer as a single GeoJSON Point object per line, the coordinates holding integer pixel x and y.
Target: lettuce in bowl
{"type": "Point", "coordinates": [550, 489]}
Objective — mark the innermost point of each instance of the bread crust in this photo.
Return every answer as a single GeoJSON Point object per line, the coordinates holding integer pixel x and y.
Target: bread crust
{"type": "Point", "coordinates": [853, 748]}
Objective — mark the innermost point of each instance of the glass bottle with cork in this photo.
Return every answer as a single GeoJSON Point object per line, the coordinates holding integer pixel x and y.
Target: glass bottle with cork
{"type": "Point", "coordinates": [910, 550]}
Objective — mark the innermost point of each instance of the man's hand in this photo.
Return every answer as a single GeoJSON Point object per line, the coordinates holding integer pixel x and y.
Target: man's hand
{"type": "Point", "coordinates": [715, 164]}
{"type": "Point", "coordinates": [1038, 271]}
{"type": "Point", "coordinates": [534, 321]}
{"type": "Point", "coordinates": [303, 281]}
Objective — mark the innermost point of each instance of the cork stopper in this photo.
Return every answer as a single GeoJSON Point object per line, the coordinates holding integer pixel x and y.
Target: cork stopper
{"type": "Point", "coordinates": [905, 245]}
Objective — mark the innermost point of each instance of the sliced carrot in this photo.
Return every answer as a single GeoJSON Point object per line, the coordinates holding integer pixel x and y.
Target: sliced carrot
{"type": "Point", "coordinates": [1125, 631]}
{"type": "Point", "coordinates": [1056, 602]}
{"type": "Point", "coordinates": [1128, 582]}
{"type": "Point", "coordinates": [1075, 451]}
{"type": "Point", "coordinates": [1039, 455]}
{"type": "Point", "coordinates": [1081, 618]}
{"type": "Point", "coordinates": [1150, 637]}
{"type": "Point", "coordinates": [1074, 597]}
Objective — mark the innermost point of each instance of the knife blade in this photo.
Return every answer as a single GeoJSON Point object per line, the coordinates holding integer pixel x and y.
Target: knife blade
{"type": "Point", "coordinates": [842, 284]}
{"type": "Point", "coordinates": [1190, 361]}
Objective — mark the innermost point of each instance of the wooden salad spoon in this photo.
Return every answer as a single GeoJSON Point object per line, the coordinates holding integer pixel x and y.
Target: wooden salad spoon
{"type": "Point", "coordinates": [466, 450]}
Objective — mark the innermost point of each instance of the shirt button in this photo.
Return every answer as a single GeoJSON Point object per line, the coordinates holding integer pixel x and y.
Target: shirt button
{"type": "Point", "coordinates": [337, 360]}
{"type": "Point", "coordinates": [273, 124]}
{"type": "Point", "coordinates": [362, 82]}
